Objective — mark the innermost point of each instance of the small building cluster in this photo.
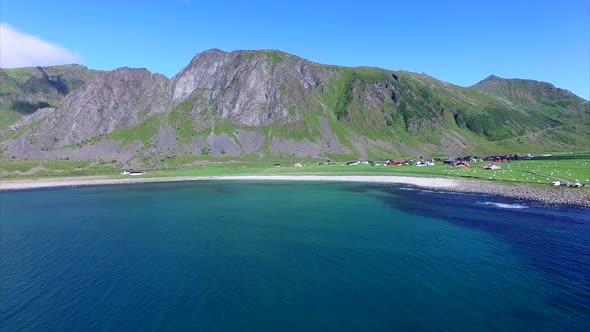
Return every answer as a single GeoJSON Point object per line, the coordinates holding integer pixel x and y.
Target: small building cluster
{"type": "Point", "coordinates": [453, 162]}
{"type": "Point", "coordinates": [492, 167]}
{"type": "Point", "coordinates": [132, 173]}
{"type": "Point", "coordinates": [569, 185]}
{"type": "Point", "coordinates": [392, 162]}
{"type": "Point", "coordinates": [296, 164]}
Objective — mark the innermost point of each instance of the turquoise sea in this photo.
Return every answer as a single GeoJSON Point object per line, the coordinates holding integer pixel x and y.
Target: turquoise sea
{"type": "Point", "coordinates": [289, 256]}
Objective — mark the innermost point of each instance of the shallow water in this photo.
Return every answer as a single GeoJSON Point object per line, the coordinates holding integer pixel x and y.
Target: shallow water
{"type": "Point", "coordinates": [260, 256]}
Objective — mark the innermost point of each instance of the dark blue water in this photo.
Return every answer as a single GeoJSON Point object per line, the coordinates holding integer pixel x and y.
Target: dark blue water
{"type": "Point", "coordinates": [283, 256]}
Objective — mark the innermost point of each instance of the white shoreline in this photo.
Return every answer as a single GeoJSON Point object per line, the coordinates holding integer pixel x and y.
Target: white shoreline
{"type": "Point", "coordinates": [11, 185]}
{"type": "Point", "coordinates": [520, 192]}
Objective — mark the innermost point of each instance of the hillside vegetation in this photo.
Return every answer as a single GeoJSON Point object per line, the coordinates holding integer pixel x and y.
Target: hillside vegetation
{"type": "Point", "coordinates": [259, 105]}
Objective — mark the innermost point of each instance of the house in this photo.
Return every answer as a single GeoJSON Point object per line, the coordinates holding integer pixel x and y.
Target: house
{"type": "Point", "coordinates": [496, 159]}
{"type": "Point", "coordinates": [298, 164]}
{"type": "Point", "coordinates": [492, 167]}
{"type": "Point", "coordinates": [396, 162]}
{"type": "Point", "coordinates": [277, 165]}
{"type": "Point", "coordinates": [422, 163]}
{"type": "Point", "coordinates": [461, 163]}
{"type": "Point", "coordinates": [126, 172]}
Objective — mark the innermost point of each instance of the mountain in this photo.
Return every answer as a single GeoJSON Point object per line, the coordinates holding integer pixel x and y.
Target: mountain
{"type": "Point", "coordinates": [24, 90]}
{"type": "Point", "coordinates": [269, 104]}
{"type": "Point", "coordinates": [120, 98]}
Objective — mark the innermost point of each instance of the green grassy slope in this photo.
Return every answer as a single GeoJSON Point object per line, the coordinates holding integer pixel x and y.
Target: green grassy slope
{"type": "Point", "coordinates": [421, 110]}
{"type": "Point", "coordinates": [410, 109]}
{"type": "Point", "coordinates": [413, 113]}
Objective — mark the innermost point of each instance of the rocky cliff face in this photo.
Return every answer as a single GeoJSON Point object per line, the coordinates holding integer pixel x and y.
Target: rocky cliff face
{"type": "Point", "coordinates": [250, 89]}
{"type": "Point", "coordinates": [269, 103]}
{"type": "Point", "coordinates": [121, 98]}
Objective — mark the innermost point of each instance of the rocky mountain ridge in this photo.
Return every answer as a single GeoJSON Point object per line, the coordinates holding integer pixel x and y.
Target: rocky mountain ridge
{"type": "Point", "coordinates": [262, 104]}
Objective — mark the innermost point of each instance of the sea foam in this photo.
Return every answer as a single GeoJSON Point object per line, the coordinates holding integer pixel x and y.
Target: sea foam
{"type": "Point", "coordinates": [504, 205]}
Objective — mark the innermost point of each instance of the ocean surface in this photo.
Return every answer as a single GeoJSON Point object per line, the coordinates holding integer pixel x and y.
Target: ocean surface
{"type": "Point", "coordinates": [289, 256]}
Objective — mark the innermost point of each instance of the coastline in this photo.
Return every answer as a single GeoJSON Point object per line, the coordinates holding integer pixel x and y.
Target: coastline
{"type": "Point", "coordinates": [555, 196]}
{"type": "Point", "coordinates": [27, 184]}
{"type": "Point", "coordinates": [550, 196]}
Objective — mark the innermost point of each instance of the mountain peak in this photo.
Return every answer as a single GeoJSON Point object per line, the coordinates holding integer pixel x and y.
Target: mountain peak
{"type": "Point", "coordinates": [517, 89]}
{"type": "Point", "coordinates": [490, 81]}
{"type": "Point", "coordinates": [212, 51]}
{"type": "Point", "coordinates": [208, 54]}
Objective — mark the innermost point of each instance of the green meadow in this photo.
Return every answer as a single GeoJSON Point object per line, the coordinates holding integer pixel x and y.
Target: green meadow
{"type": "Point", "coordinates": [515, 171]}
{"type": "Point", "coordinates": [533, 171]}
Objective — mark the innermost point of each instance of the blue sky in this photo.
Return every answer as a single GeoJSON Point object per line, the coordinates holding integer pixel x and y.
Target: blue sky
{"type": "Point", "coordinates": [461, 42]}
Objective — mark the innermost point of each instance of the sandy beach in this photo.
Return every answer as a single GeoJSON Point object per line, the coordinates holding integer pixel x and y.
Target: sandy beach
{"type": "Point", "coordinates": [9, 185]}
{"type": "Point", "coordinates": [565, 196]}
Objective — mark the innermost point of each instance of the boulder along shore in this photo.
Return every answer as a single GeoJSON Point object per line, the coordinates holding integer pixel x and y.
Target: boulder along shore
{"type": "Point", "coordinates": [553, 196]}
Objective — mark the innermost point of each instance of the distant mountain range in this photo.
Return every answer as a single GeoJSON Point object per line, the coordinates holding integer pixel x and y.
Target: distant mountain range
{"type": "Point", "coordinates": [269, 104]}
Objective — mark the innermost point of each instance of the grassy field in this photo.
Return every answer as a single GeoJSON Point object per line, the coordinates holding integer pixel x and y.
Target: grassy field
{"type": "Point", "coordinates": [524, 171]}
{"type": "Point", "coordinates": [14, 169]}
{"type": "Point", "coordinates": [516, 171]}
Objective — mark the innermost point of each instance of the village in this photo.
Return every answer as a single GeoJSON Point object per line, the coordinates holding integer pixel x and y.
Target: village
{"type": "Point", "coordinates": [453, 162]}
{"type": "Point", "coordinates": [526, 168]}
{"type": "Point", "coordinates": [564, 170]}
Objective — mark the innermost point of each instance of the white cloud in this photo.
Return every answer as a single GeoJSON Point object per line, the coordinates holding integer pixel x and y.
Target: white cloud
{"type": "Point", "coordinates": [20, 50]}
